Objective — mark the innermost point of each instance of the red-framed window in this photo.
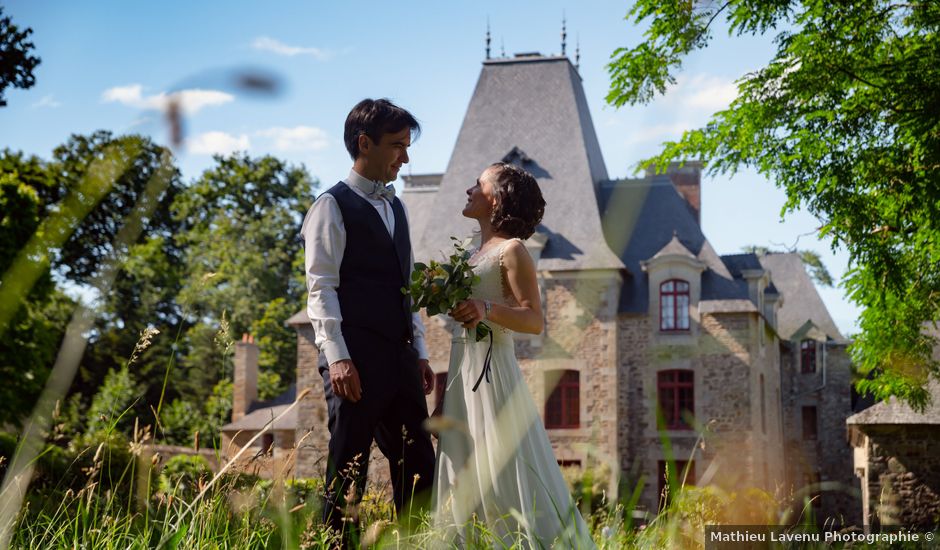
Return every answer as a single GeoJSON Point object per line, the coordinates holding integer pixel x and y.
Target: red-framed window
{"type": "Point", "coordinates": [810, 423]}
{"type": "Point", "coordinates": [685, 476]}
{"type": "Point", "coordinates": [674, 306]}
{"type": "Point", "coordinates": [676, 391]}
{"type": "Point", "coordinates": [563, 408]}
{"type": "Point", "coordinates": [440, 385]}
{"type": "Point", "coordinates": [808, 356]}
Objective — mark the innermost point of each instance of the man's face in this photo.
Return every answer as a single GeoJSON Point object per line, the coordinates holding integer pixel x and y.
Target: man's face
{"type": "Point", "coordinates": [385, 158]}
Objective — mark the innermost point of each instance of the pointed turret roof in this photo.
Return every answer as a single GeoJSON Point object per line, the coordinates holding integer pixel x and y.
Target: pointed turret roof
{"type": "Point", "coordinates": [530, 110]}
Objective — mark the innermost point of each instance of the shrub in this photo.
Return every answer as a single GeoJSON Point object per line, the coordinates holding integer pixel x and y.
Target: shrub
{"type": "Point", "coordinates": [183, 475]}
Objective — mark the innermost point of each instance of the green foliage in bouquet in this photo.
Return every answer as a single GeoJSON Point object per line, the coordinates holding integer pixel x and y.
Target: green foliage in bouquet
{"type": "Point", "coordinates": [440, 286]}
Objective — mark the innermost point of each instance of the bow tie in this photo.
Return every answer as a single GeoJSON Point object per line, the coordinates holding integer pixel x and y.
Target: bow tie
{"type": "Point", "coordinates": [379, 190]}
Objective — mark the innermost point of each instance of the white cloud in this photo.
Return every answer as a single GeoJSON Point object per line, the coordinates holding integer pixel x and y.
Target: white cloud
{"type": "Point", "coordinates": [192, 101]}
{"type": "Point", "coordinates": [298, 138]}
{"type": "Point", "coordinates": [701, 92]}
{"type": "Point", "coordinates": [266, 43]}
{"type": "Point", "coordinates": [47, 101]}
{"type": "Point", "coordinates": [711, 93]}
{"type": "Point", "coordinates": [211, 143]}
{"type": "Point", "coordinates": [659, 133]}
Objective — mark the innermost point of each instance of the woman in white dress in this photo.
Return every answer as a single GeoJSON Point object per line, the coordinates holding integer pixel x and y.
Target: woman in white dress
{"type": "Point", "coordinates": [495, 464]}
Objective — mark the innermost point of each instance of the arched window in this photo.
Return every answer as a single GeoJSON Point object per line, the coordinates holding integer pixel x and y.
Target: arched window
{"type": "Point", "coordinates": [563, 408]}
{"type": "Point", "coordinates": [808, 356]}
{"type": "Point", "coordinates": [674, 305]}
{"type": "Point", "coordinates": [676, 391]}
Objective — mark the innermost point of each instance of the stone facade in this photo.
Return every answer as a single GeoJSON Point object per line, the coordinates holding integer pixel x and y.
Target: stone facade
{"type": "Point", "coordinates": [899, 469]}
{"type": "Point", "coordinates": [313, 435]}
{"type": "Point", "coordinates": [816, 466]}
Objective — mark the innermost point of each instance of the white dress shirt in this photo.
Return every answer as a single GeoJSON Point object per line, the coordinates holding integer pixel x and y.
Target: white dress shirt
{"type": "Point", "coordinates": [324, 244]}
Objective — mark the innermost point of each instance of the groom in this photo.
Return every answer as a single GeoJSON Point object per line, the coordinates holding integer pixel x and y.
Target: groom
{"type": "Point", "coordinates": [372, 354]}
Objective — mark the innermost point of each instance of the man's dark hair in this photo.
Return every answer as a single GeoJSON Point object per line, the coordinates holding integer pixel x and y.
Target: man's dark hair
{"type": "Point", "coordinates": [375, 118]}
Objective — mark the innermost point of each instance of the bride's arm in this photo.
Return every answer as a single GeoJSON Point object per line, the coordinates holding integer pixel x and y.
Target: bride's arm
{"type": "Point", "coordinates": [521, 281]}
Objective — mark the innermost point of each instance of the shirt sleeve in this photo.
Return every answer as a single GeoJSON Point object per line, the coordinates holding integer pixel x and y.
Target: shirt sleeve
{"type": "Point", "coordinates": [324, 243]}
{"type": "Point", "coordinates": [416, 322]}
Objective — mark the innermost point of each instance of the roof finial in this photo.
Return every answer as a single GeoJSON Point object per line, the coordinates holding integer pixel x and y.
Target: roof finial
{"type": "Point", "coordinates": [487, 36]}
{"type": "Point", "coordinates": [577, 53]}
{"type": "Point", "coordinates": [564, 34]}
{"type": "Point", "coordinates": [502, 48]}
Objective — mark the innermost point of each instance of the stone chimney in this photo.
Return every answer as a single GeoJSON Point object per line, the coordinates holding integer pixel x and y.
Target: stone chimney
{"type": "Point", "coordinates": [246, 376]}
{"type": "Point", "coordinates": [688, 182]}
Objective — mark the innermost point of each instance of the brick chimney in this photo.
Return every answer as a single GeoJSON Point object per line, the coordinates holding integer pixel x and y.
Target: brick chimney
{"type": "Point", "coordinates": [688, 182]}
{"type": "Point", "coordinates": [246, 376]}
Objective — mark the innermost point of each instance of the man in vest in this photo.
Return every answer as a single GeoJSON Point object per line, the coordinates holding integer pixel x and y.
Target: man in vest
{"type": "Point", "coordinates": [373, 358]}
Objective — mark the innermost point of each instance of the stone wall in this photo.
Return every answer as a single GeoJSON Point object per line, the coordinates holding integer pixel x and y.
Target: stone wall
{"type": "Point", "coordinates": [727, 356]}
{"type": "Point", "coordinates": [312, 436]}
{"type": "Point", "coordinates": [580, 334]}
{"type": "Point", "coordinates": [902, 475]}
{"type": "Point", "coordinates": [829, 457]}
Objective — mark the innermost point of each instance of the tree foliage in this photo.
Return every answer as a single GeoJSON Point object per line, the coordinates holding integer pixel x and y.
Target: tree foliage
{"type": "Point", "coordinates": [28, 346]}
{"type": "Point", "coordinates": [16, 61]}
{"type": "Point", "coordinates": [846, 119]}
{"type": "Point", "coordinates": [216, 258]}
{"type": "Point", "coordinates": [240, 233]}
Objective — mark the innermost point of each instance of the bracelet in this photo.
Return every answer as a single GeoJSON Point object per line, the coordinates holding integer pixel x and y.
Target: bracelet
{"type": "Point", "coordinates": [487, 307]}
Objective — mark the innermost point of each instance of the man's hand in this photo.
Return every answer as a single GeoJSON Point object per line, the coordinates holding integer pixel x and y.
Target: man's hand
{"type": "Point", "coordinates": [345, 380]}
{"type": "Point", "coordinates": [427, 375]}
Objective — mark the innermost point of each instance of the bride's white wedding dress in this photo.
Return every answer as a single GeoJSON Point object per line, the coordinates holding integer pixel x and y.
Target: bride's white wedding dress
{"type": "Point", "coordinates": [494, 460]}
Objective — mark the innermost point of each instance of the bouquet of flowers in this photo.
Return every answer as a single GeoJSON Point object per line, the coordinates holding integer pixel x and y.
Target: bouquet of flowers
{"type": "Point", "coordinates": [440, 286]}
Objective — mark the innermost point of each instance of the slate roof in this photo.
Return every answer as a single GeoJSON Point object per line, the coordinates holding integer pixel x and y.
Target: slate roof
{"type": "Point", "coordinates": [255, 421]}
{"type": "Point", "coordinates": [738, 263]}
{"type": "Point", "coordinates": [261, 412]}
{"type": "Point", "coordinates": [422, 181]}
{"type": "Point", "coordinates": [640, 217]}
{"type": "Point", "coordinates": [419, 201]}
{"type": "Point", "coordinates": [801, 301]}
{"type": "Point", "coordinates": [299, 318]}
{"type": "Point", "coordinates": [894, 411]}
{"type": "Point", "coordinates": [531, 108]}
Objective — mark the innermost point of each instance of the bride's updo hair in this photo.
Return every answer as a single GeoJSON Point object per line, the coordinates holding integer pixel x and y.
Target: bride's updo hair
{"type": "Point", "coordinates": [519, 203]}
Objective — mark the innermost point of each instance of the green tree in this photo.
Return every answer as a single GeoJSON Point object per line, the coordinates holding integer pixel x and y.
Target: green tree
{"type": "Point", "coordinates": [29, 345]}
{"type": "Point", "coordinates": [844, 118]}
{"type": "Point", "coordinates": [112, 408]}
{"type": "Point", "coordinates": [240, 233]}
{"type": "Point", "coordinates": [91, 242]}
{"type": "Point", "coordinates": [143, 293]}
{"type": "Point", "coordinates": [16, 62]}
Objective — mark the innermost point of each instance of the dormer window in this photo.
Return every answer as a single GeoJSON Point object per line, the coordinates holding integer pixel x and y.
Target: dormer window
{"type": "Point", "coordinates": [674, 306]}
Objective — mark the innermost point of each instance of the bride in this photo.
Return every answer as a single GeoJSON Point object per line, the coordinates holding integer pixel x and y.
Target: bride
{"type": "Point", "coordinates": [495, 463]}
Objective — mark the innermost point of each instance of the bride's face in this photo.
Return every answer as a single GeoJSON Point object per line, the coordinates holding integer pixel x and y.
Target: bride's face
{"type": "Point", "coordinates": [481, 198]}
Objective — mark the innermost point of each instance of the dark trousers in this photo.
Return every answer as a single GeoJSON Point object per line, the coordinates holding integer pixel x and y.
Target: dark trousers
{"type": "Point", "coordinates": [392, 411]}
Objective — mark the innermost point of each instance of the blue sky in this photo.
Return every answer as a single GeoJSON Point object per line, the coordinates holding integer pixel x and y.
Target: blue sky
{"type": "Point", "coordinates": [109, 65]}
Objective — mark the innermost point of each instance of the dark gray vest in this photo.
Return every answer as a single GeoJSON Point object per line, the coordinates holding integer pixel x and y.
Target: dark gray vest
{"type": "Point", "coordinates": [374, 269]}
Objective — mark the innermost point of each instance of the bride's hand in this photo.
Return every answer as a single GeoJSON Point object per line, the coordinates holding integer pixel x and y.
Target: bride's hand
{"type": "Point", "coordinates": [469, 313]}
